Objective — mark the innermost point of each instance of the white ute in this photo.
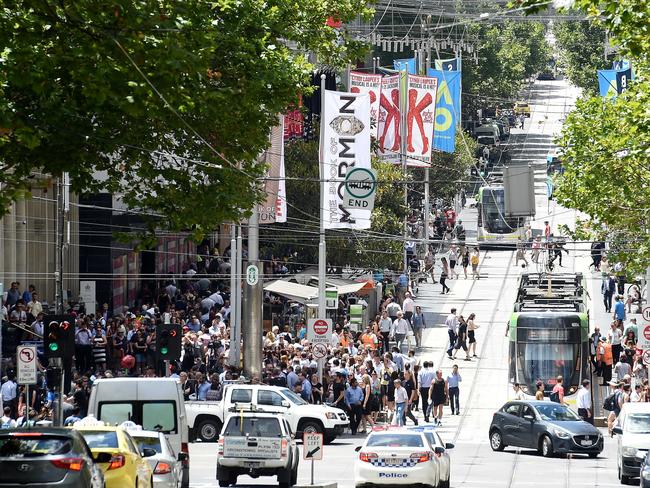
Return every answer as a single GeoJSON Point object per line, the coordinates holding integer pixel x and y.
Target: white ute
{"type": "Point", "coordinates": [206, 418]}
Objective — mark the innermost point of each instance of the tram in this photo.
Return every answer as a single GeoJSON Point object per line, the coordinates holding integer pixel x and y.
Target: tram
{"type": "Point", "coordinates": [549, 333]}
{"type": "Point", "coordinates": [494, 228]}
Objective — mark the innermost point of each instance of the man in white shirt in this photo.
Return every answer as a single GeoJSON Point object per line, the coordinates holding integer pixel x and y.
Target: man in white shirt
{"type": "Point", "coordinates": [399, 330]}
{"type": "Point", "coordinates": [583, 402]}
{"type": "Point", "coordinates": [393, 308]}
{"type": "Point", "coordinates": [425, 378]}
{"type": "Point", "coordinates": [401, 399]}
{"type": "Point", "coordinates": [452, 329]}
{"type": "Point", "coordinates": [385, 323]}
{"type": "Point", "coordinates": [408, 306]}
{"type": "Point", "coordinates": [519, 393]}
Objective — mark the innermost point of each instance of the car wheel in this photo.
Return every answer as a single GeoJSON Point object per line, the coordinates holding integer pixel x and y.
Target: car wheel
{"type": "Point", "coordinates": [547, 446]}
{"type": "Point", "coordinates": [294, 476]}
{"type": "Point", "coordinates": [496, 441]}
{"type": "Point", "coordinates": [208, 431]}
{"type": "Point", "coordinates": [311, 427]}
{"type": "Point", "coordinates": [328, 439]}
{"type": "Point", "coordinates": [625, 480]}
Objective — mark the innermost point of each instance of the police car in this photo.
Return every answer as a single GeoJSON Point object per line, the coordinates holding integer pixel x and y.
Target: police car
{"type": "Point", "coordinates": [399, 456]}
{"type": "Point", "coordinates": [443, 457]}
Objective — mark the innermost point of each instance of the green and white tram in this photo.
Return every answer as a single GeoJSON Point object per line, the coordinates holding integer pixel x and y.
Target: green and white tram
{"type": "Point", "coordinates": [494, 227]}
{"type": "Point", "coordinates": [549, 333]}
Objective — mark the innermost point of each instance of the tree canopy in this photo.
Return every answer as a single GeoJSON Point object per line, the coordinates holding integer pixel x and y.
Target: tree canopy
{"type": "Point", "coordinates": [168, 102]}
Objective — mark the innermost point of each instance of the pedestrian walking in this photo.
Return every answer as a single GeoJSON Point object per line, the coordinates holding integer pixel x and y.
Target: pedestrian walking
{"type": "Point", "coordinates": [354, 402]}
{"type": "Point", "coordinates": [471, 334]}
{"type": "Point", "coordinates": [453, 384]}
{"type": "Point", "coordinates": [474, 260]}
{"type": "Point", "coordinates": [368, 403]}
{"type": "Point", "coordinates": [615, 338]}
{"type": "Point", "coordinates": [522, 121]}
{"type": "Point", "coordinates": [461, 339]}
{"type": "Point", "coordinates": [401, 400]}
{"type": "Point", "coordinates": [536, 248]}
{"type": "Point", "coordinates": [583, 402]}
{"type": "Point", "coordinates": [452, 330]}
{"type": "Point", "coordinates": [443, 276]}
{"type": "Point", "coordinates": [399, 330]}
{"type": "Point", "coordinates": [411, 389]}
{"type": "Point", "coordinates": [521, 255]}
{"type": "Point", "coordinates": [453, 258]}
{"type": "Point", "coordinates": [465, 261]}
{"type": "Point", "coordinates": [619, 309]}
{"type": "Point", "coordinates": [385, 324]}
{"type": "Point", "coordinates": [438, 395]}
{"type": "Point", "coordinates": [608, 288]}
{"type": "Point", "coordinates": [425, 379]}
{"type": "Point", "coordinates": [418, 323]}
{"type": "Point", "coordinates": [408, 306]}
{"type": "Point", "coordinates": [429, 265]}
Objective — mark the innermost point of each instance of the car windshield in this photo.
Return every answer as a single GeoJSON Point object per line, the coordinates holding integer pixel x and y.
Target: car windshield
{"type": "Point", "coordinates": [297, 399]}
{"type": "Point", "coordinates": [556, 412]}
{"type": "Point", "coordinates": [395, 440]}
{"type": "Point", "coordinates": [100, 439]}
{"type": "Point", "coordinates": [638, 423]}
{"type": "Point", "coordinates": [33, 446]}
{"type": "Point", "coordinates": [254, 427]}
{"type": "Point", "coordinates": [148, 443]}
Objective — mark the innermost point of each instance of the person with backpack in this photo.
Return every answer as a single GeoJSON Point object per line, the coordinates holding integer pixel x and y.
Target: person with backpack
{"type": "Point", "coordinates": [557, 394]}
{"type": "Point", "coordinates": [613, 403]}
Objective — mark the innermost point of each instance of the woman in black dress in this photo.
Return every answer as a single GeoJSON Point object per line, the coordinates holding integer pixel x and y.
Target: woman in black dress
{"type": "Point", "coordinates": [461, 341]}
{"type": "Point", "coordinates": [438, 396]}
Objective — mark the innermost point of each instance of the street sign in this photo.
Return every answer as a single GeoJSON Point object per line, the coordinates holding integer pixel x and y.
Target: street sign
{"type": "Point", "coordinates": [26, 356]}
{"type": "Point", "coordinates": [252, 275]}
{"type": "Point", "coordinates": [646, 314]}
{"type": "Point", "coordinates": [319, 350]}
{"type": "Point", "coordinates": [360, 188]}
{"type": "Point", "coordinates": [319, 331]}
{"type": "Point", "coordinates": [644, 337]}
{"type": "Point", "coordinates": [332, 299]}
{"type": "Point", "coordinates": [312, 446]}
{"type": "Point", "coordinates": [646, 357]}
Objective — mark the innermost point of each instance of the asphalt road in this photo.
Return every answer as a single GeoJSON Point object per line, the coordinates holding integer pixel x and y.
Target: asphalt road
{"type": "Point", "coordinates": [484, 387]}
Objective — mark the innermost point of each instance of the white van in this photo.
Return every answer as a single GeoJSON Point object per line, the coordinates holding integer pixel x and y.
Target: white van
{"type": "Point", "coordinates": [154, 403]}
{"type": "Point", "coordinates": [632, 431]}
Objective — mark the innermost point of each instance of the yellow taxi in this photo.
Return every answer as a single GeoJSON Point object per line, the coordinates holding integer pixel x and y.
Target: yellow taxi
{"type": "Point", "coordinates": [522, 108]}
{"type": "Point", "coordinates": [128, 466]}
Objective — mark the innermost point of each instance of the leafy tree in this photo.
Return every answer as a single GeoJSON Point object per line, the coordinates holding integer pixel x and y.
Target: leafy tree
{"type": "Point", "coordinates": [581, 50]}
{"type": "Point", "coordinates": [170, 101]}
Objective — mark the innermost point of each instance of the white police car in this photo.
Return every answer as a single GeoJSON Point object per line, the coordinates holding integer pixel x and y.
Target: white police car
{"type": "Point", "coordinates": [440, 449]}
{"type": "Point", "coordinates": [393, 457]}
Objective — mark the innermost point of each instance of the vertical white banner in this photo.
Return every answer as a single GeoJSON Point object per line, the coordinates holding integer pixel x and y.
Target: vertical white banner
{"type": "Point", "coordinates": [370, 84]}
{"type": "Point", "coordinates": [345, 140]}
{"type": "Point", "coordinates": [388, 128]}
{"type": "Point", "coordinates": [274, 208]}
{"type": "Point", "coordinates": [420, 117]}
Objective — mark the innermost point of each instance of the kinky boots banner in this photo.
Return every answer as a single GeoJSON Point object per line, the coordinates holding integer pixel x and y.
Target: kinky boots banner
{"type": "Point", "coordinates": [420, 117]}
{"type": "Point", "coordinates": [370, 84]}
{"type": "Point", "coordinates": [345, 144]}
{"type": "Point", "coordinates": [388, 129]}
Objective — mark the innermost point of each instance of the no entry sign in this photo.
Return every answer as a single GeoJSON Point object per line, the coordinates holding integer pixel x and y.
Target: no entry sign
{"type": "Point", "coordinates": [319, 331]}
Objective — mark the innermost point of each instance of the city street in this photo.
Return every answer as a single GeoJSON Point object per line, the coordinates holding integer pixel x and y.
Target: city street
{"type": "Point", "coordinates": [484, 387]}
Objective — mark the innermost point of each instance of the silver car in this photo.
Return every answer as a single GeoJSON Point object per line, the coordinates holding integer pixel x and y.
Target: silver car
{"type": "Point", "coordinates": [166, 466]}
{"type": "Point", "coordinates": [42, 457]}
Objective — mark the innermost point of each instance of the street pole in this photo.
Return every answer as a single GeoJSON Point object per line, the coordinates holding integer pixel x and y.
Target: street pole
{"type": "Point", "coordinates": [426, 209]}
{"type": "Point", "coordinates": [322, 250]}
{"type": "Point", "coordinates": [60, 224]}
{"type": "Point", "coordinates": [233, 358]}
{"type": "Point", "coordinates": [403, 134]}
{"type": "Point", "coordinates": [238, 266]}
{"type": "Point", "coordinates": [252, 316]}
{"type": "Point", "coordinates": [647, 287]}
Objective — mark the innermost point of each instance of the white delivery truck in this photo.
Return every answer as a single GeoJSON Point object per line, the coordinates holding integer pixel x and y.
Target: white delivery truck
{"type": "Point", "coordinates": [257, 444]}
{"type": "Point", "coordinates": [206, 418]}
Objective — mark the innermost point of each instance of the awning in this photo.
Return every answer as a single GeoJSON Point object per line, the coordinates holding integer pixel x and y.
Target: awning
{"type": "Point", "coordinates": [292, 291]}
{"type": "Point", "coordinates": [351, 288]}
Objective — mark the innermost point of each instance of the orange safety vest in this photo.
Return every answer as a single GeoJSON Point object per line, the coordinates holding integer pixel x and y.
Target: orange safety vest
{"type": "Point", "coordinates": [367, 340]}
{"type": "Point", "coordinates": [607, 354]}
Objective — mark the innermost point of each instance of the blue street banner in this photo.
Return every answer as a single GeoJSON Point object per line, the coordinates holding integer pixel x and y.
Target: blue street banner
{"type": "Point", "coordinates": [453, 64]}
{"type": "Point", "coordinates": [406, 64]}
{"type": "Point", "coordinates": [612, 82]}
{"type": "Point", "coordinates": [447, 109]}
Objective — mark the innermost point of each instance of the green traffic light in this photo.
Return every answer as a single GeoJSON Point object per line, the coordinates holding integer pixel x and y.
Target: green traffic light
{"type": "Point", "coordinates": [164, 350]}
{"type": "Point", "coordinates": [54, 346]}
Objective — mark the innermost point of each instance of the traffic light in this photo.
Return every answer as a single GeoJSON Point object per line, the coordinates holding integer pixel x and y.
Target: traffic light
{"type": "Point", "coordinates": [58, 337]}
{"type": "Point", "coordinates": [168, 342]}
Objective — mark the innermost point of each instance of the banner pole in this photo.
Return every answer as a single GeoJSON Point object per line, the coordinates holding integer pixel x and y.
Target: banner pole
{"type": "Point", "coordinates": [403, 137]}
{"type": "Point", "coordinates": [322, 250]}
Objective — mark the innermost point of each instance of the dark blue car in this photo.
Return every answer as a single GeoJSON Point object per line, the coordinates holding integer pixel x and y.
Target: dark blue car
{"type": "Point", "coordinates": [548, 427]}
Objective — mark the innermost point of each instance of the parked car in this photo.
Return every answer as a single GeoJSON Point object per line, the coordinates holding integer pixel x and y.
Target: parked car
{"type": "Point", "coordinates": [645, 469]}
{"type": "Point", "coordinates": [43, 457]}
{"type": "Point", "coordinates": [632, 430]}
{"type": "Point", "coordinates": [522, 108]}
{"type": "Point", "coordinates": [550, 428]}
